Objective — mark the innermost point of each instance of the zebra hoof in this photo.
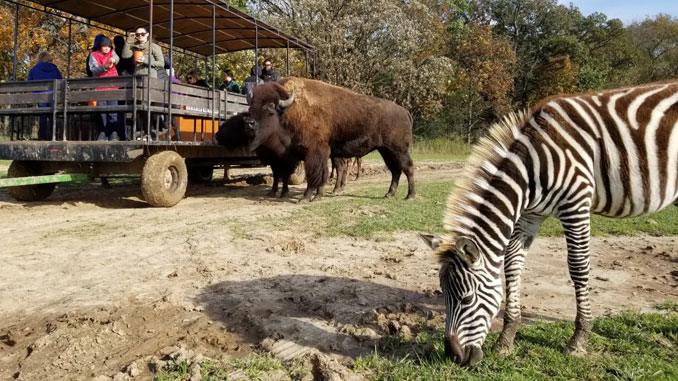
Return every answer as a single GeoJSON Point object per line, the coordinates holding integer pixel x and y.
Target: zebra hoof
{"type": "Point", "coordinates": [503, 349]}
{"type": "Point", "coordinates": [575, 349]}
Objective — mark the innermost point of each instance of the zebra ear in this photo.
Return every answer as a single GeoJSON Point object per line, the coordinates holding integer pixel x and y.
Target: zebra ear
{"type": "Point", "coordinates": [467, 249]}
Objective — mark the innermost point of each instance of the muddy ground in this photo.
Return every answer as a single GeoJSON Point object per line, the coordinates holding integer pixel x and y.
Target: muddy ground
{"type": "Point", "coordinates": [95, 284]}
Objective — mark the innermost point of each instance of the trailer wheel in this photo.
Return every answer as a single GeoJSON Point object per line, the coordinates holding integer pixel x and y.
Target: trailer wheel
{"type": "Point", "coordinates": [299, 175]}
{"type": "Point", "coordinates": [28, 193]}
{"type": "Point", "coordinates": [200, 175]}
{"type": "Point", "coordinates": [164, 179]}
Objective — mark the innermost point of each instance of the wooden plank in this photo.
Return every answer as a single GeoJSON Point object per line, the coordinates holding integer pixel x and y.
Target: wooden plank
{"type": "Point", "coordinates": [23, 87]}
{"type": "Point", "coordinates": [93, 83]}
{"type": "Point", "coordinates": [30, 98]}
{"type": "Point", "coordinates": [94, 95]}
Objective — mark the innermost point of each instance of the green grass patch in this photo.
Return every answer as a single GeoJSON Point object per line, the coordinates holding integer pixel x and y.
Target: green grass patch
{"type": "Point", "coordinates": [630, 346]}
{"type": "Point", "coordinates": [664, 223]}
{"type": "Point", "coordinates": [363, 212]}
{"type": "Point", "coordinates": [441, 146]}
{"type": "Point", "coordinates": [253, 367]}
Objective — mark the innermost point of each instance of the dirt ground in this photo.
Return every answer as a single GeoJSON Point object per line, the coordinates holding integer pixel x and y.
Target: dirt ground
{"type": "Point", "coordinates": [95, 284]}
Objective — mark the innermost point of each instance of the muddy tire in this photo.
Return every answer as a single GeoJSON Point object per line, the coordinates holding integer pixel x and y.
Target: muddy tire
{"type": "Point", "coordinates": [164, 179]}
{"type": "Point", "coordinates": [28, 193]}
{"type": "Point", "coordinates": [299, 175]}
{"type": "Point", "coordinates": [200, 175]}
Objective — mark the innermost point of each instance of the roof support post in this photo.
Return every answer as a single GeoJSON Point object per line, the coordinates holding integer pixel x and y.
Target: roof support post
{"type": "Point", "coordinates": [70, 48]}
{"type": "Point", "coordinates": [214, 57]}
{"type": "Point", "coordinates": [148, 63]}
{"type": "Point", "coordinates": [287, 59]}
{"type": "Point", "coordinates": [16, 38]}
{"type": "Point", "coordinates": [169, 123]}
{"type": "Point", "coordinates": [256, 51]}
{"type": "Point", "coordinates": [306, 61]}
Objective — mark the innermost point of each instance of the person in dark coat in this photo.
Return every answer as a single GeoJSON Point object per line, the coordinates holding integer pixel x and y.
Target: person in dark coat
{"type": "Point", "coordinates": [251, 82]}
{"type": "Point", "coordinates": [230, 84]}
{"type": "Point", "coordinates": [126, 65]}
{"type": "Point", "coordinates": [268, 74]}
{"type": "Point", "coordinates": [44, 69]}
{"type": "Point", "coordinates": [192, 79]}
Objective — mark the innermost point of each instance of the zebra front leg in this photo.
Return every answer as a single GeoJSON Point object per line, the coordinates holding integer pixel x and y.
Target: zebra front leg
{"type": "Point", "coordinates": [577, 234]}
{"type": "Point", "coordinates": [514, 261]}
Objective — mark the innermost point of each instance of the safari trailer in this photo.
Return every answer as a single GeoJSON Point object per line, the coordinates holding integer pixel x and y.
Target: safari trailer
{"type": "Point", "coordinates": [199, 28]}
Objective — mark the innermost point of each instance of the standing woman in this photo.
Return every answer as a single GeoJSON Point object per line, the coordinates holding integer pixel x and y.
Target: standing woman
{"type": "Point", "coordinates": [139, 49]}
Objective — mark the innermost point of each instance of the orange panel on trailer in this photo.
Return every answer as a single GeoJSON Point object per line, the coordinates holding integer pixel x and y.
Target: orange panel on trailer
{"type": "Point", "coordinates": [202, 128]}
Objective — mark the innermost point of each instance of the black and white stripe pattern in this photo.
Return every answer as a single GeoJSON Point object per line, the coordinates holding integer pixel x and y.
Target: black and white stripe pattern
{"type": "Point", "coordinates": [613, 153]}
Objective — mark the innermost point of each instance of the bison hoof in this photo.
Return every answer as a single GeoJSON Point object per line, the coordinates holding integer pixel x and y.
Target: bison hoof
{"type": "Point", "coordinates": [284, 194]}
{"type": "Point", "coordinates": [272, 194]}
{"type": "Point", "coordinates": [303, 201]}
{"type": "Point", "coordinates": [389, 195]}
{"type": "Point", "coordinates": [410, 197]}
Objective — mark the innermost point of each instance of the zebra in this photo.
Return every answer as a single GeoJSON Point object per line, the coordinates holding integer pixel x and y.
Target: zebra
{"type": "Point", "coordinates": [612, 153]}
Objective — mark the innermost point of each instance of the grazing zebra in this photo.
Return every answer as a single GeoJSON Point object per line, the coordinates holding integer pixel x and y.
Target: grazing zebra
{"type": "Point", "coordinates": [613, 153]}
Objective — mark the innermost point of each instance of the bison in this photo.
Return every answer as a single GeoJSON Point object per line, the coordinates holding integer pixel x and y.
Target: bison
{"type": "Point", "coordinates": [238, 131]}
{"type": "Point", "coordinates": [326, 121]}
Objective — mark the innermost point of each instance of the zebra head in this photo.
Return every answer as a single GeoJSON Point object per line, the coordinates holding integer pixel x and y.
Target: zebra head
{"type": "Point", "coordinates": [472, 298]}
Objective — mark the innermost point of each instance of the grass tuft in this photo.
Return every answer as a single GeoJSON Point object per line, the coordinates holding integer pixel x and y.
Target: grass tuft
{"type": "Point", "coordinates": [629, 346]}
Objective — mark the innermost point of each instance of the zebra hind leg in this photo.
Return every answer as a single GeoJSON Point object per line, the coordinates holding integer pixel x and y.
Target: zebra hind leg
{"type": "Point", "coordinates": [514, 261]}
{"type": "Point", "coordinates": [577, 234]}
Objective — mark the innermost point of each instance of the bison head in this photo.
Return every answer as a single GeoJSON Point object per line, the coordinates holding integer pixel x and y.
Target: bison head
{"type": "Point", "coordinates": [237, 131]}
{"type": "Point", "coordinates": [270, 101]}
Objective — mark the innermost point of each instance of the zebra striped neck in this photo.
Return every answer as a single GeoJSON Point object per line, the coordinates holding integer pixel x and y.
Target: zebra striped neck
{"type": "Point", "coordinates": [489, 197]}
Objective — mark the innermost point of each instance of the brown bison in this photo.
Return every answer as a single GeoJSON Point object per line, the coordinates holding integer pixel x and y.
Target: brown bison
{"type": "Point", "coordinates": [326, 121]}
{"type": "Point", "coordinates": [238, 131]}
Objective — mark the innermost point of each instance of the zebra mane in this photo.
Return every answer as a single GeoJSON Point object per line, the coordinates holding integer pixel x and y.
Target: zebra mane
{"type": "Point", "coordinates": [487, 153]}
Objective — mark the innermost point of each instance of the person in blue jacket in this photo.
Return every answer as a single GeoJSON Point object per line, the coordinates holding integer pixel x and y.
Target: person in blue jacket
{"type": "Point", "coordinates": [44, 69]}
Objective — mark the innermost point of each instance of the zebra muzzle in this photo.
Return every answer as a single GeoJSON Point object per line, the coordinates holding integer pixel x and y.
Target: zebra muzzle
{"type": "Point", "coordinates": [469, 355]}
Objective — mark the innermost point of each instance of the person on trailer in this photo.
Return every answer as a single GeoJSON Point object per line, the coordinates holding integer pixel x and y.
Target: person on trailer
{"type": "Point", "coordinates": [44, 69]}
{"type": "Point", "coordinates": [126, 65]}
{"type": "Point", "coordinates": [138, 47]}
{"type": "Point", "coordinates": [268, 74]}
{"type": "Point", "coordinates": [251, 82]}
{"type": "Point", "coordinates": [95, 47]}
{"type": "Point", "coordinates": [102, 64]}
{"type": "Point", "coordinates": [192, 79]}
{"type": "Point", "coordinates": [230, 84]}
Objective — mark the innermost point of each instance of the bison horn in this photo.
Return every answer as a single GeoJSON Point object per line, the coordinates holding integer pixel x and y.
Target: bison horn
{"type": "Point", "coordinates": [288, 102]}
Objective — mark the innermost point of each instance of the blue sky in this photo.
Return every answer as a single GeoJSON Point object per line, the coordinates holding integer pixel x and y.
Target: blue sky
{"type": "Point", "coordinates": [626, 10]}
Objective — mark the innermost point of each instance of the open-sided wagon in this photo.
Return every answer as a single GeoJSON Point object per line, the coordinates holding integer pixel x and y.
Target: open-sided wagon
{"type": "Point", "coordinates": [200, 28]}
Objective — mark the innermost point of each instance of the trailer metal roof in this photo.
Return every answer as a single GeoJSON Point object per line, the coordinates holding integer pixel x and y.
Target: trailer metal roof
{"type": "Point", "coordinates": [235, 30]}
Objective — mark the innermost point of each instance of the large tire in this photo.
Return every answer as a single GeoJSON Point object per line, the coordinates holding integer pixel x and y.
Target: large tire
{"type": "Point", "coordinates": [200, 175]}
{"type": "Point", "coordinates": [164, 179]}
{"type": "Point", "coordinates": [28, 193]}
{"type": "Point", "coordinates": [299, 175]}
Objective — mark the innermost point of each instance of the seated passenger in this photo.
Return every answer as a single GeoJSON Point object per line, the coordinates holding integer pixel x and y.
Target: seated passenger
{"type": "Point", "coordinates": [230, 84]}
{"type": "Point", "coordinates": [268, 74]}
{"type": "Point", "coordinates": [44, 69]}
{"type": "Point", "coordinates": [251, 82]}
{"type": "Point", "coordinates": [192, 79]}
{"type": "Point", "coordinates": [102, 64]}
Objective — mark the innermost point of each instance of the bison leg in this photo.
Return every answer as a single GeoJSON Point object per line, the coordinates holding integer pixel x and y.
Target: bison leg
{"type": "Point", "coordinates": [394, 166]}
{"type": "Point", "coordinates": [341, 167]}
{"type": "Point", "coordinates": [408, 168]}
{"type": "Point", "coordinates": [359, 163]}
{"type": "Point", "coordinates": [315, 166]}
{"type": "Point", "coordinates": [285, 188]}
{"type": "Point", "coordinates": [276, 176]}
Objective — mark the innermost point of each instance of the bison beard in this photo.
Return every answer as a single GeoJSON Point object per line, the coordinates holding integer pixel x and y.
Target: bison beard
{"type": "Point", "coordinates": [328, 121]}
{"type": "Point", "coordinates": [237, 132]}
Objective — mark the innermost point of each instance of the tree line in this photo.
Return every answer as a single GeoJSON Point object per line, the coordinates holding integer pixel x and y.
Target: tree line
{"type": "Point", "coordinates": [457, 65]}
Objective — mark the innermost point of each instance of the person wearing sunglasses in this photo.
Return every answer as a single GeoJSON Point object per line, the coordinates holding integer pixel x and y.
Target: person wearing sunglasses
{"type": "Point", "coordinates": [140, 49]}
